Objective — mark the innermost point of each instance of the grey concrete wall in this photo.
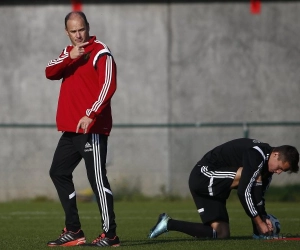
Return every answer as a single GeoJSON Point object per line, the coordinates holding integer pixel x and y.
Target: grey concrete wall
{"type": "Point", "coordinates": [177, 63]}
{"type": "Point", "coordinates": [229, 65]}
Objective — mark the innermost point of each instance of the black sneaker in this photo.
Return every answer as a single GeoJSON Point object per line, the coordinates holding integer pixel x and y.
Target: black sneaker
{"type": "Point", "coordinates": [68, 238]}
{"type": "Point", "coordinates": [103, 241]}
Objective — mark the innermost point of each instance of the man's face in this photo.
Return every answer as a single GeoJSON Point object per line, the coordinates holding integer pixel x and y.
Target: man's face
{"type": "Point", "coordinates": [77, 30]}
{"type": "Point", "coordinates": [277, 166]}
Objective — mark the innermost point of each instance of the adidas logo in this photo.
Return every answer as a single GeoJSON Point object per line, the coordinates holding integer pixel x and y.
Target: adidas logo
{"type": "Point", "coordinates": [260, 203]}
{"type": "Point", "coordinates": [87, 56]}
{"type": "Point", "coordinates": [88, 147]}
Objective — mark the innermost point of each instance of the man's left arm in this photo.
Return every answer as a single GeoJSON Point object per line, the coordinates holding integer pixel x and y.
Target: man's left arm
{"type": "Point", "coordinates": [107, 74]}
{"type": "Point", "coordinates": [107, 80]}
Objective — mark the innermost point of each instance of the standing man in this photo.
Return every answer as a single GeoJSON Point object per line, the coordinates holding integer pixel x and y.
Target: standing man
{"type": "Point", "coordinates": [245, 164]}
{"type": "Point", "coordinates": [88, 74]}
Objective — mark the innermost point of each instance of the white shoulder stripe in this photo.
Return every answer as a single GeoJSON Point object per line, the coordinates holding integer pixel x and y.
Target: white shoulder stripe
{"type": "Point", "coordinates": [101, 52]}
{"type": "Point", "coordinates": [260, 151]}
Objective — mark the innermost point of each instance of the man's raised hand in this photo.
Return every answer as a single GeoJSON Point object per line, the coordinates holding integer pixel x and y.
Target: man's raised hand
{"type": "Point", "coordinates": [78, 50]}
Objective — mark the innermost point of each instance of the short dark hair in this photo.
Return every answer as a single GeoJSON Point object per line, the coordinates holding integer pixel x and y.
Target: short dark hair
{"type": "Point", "coordinates": [288, 154]}
{"type": "Point", "coordinates": [80, 13]}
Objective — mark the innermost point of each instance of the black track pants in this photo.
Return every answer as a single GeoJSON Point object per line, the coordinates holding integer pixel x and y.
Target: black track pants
{"type": "Point", "coordinates": [70, 150]}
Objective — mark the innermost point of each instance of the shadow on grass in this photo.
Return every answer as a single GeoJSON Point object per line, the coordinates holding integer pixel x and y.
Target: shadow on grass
{"type": "Point", "coordinates": [149, 242]}
{"type": "Point", "coordinates": [174, 240]}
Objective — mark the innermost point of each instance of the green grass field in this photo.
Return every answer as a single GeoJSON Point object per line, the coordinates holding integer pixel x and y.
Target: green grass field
{"type": "Point", "coordinates": [29, 225]}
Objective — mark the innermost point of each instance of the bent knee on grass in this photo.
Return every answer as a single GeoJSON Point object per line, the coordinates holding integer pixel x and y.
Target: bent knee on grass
{"type": "Point", "coordinates": [222, 229]}
{"type": "Point", "coordinates": [223, 235]}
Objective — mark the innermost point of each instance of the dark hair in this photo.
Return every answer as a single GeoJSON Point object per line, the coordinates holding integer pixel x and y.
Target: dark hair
{"type": "Point", "coordinates": [80, 13]}
{"type": "Point", "coordinates": [288, 154]}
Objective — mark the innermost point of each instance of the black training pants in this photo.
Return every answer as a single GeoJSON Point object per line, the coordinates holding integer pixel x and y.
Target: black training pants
{"type": "Point", "coordinates": [71, 148]}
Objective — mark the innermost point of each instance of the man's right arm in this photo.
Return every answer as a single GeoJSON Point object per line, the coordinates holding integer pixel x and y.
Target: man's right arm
{"type": "Point", "coordinates": [252, 164]}
{"type": "Point", "coordinates": [56, 67]}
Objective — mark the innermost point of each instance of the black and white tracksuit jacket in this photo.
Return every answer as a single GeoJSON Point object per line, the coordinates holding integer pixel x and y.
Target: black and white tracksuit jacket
{"type": "Point", "coordinates": [253, 156]}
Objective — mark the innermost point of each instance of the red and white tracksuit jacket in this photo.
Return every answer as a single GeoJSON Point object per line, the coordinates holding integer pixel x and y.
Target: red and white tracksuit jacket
{"type": "Point", "coordinates": [88, 84]}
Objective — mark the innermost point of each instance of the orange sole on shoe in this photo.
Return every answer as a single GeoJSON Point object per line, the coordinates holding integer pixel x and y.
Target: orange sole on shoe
{"type": "Point", "coordinates": [77, 242]}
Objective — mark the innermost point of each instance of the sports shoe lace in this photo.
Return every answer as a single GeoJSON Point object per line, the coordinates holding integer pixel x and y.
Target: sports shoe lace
{"type": "Point", "coordinates": [100, 237]}
{"type": "Point", "coordinates": [63, 232]}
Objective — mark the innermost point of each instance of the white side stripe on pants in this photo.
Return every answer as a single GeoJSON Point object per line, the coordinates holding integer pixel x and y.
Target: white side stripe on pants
{"type": "Point", "coordinates": [99, 181]}
{"type": "Point", "coordinates": [72, 195]}
{"type": "Point", "coordinates": [215, 174]}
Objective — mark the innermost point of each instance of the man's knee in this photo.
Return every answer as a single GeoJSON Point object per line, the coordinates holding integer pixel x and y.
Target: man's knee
{"type": "Point", "coordinates": [54, 173]}
{"type": "Point", "coordinates": [221, 234]}
{"type": "Point", "coordinates": [222, 229]}
{"type": "Point", "coordinates": [51, 173]}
